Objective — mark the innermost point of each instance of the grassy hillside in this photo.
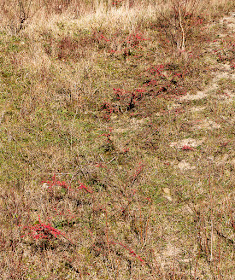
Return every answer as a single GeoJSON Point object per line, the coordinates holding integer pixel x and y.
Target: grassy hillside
{"type": "Point", "coordinates": [117, 139]}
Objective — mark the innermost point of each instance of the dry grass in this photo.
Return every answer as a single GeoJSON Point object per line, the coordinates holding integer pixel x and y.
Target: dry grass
{"type": "Point", "coordinates": [117, 140]}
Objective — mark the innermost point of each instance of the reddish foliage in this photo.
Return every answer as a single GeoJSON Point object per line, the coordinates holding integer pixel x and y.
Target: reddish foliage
{"type": "Point", "coordinates": [82, 186]}
{"type": "Point", "coordinates": [139, 169]}
{"type": "Point", "coordinates": [57, 183]}
{"type": "Point", "coordinates": [42, 231]}
{"type": "Point", "coordinates": [117, 3]}
{"type": "Point", "coordinates": [130, 251]}
{"type": "Point", "coordinates": [65, 185]}
{"type": "Point", "coordinates": [187, 148]}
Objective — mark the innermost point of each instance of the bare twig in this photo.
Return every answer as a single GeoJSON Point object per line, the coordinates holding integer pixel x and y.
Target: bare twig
{"type": "Point", "coordinates": [182, 47]}
{"type": "Point", "coordinates": [24, 13]}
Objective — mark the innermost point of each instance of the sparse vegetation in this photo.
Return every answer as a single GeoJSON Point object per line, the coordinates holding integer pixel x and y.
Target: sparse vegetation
{"type": "Point", "coordinates": [117, 139]}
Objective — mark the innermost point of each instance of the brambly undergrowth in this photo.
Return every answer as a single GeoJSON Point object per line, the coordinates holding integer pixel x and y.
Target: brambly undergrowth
{"type": "Point", "coordinates": [117, 139]}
